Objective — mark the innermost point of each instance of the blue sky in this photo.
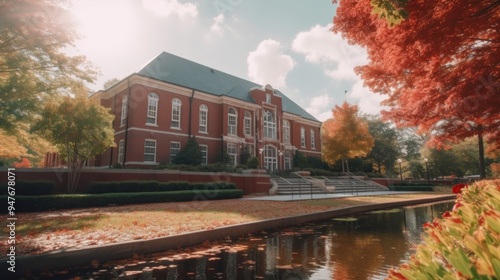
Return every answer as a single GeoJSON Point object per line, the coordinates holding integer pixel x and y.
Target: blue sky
{"type": "Point", "coordinates": [283, 43]}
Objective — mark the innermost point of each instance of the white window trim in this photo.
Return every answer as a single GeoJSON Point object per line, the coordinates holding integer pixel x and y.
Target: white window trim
{"type": "Point", "coordinates": [269, 126]}
{"type": "Point", "coordinates": [286, 132]}
{"type": "Point", "coordinates": [313, 139]}
{"type": "Point", "coordinates": [176, 104]}
{"type": "Point", "coordinates": [231, 127]}
{"type": "Point", "coordinates": [248, 124]}
{"type": "Point", "coordinates": [154, 155]}
{"type": "Point", "coordinates": [170, 150]}
{"type": "Point", "coordinates": [121, 151]}
{"type": "Point", "coordinates": [203, 123]}
{"type": "Point", "coordinates": [206, 154]}
{"type": "Point", "coordinates": [152, 97]}
{"type": "Point", "coordinates": [123, 117]}
{"type": "Point", "coordinates": [234, 155]}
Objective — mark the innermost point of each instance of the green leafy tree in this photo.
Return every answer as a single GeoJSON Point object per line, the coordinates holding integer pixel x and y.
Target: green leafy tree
{"type": "Point", "coordinates": [34, 64]}
{"type": "Point", "coordinates": [384, 152]}
{"type": "Point", "coordinates": [299, 160]}
{"type": "Point", "coordinates": [109, 83]}
{"type": "Point", "coordinates": [190, 154]}
{"type": "Point", "coordinates": [79, 127]}
{"type": "Point", "coordinates": [345, 135]}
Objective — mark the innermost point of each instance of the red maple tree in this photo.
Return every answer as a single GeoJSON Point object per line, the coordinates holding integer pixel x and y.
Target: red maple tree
{"type": "Point", "coordinates": [439, 65]}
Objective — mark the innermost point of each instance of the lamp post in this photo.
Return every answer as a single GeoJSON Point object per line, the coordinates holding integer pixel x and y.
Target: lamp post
{"type": "Point", "coordinates": [400, 172]}
{"type": "Point", "coordinates": [261, 159]}
{"type": "Point", "coordinates": [280, 153]}
{"type": "Point", "coordinates": [426, 160]}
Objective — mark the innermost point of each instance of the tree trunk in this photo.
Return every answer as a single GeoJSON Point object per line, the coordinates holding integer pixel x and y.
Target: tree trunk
{"type": "Point", "coordinates": [482, 169]}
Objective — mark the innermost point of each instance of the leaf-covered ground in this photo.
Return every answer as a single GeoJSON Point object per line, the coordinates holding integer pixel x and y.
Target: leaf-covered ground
{"type": "Point", "coordinates": [63, 229]}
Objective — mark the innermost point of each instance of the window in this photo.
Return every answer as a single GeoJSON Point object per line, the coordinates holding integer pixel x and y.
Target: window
{"type": "Point", "coordinates": [176, 113]}
{"type": "Point", "coordinates": [124, 110]}
{"type": "Point", "coordinates": [313, 140]}
{"type": "Point", "coordinates": [232, 121]}
{"type": "Point", "coordinates": [270, 159]}
{"type": "Point", "coordinates": [152, 108]}
{"type": "Point", "coordinates": [204, 154]}
{"type": "Point", "coordinates": [268, 98]}
{"type": "Point", "coordinates": [203, 119]}
{"type": "Point", "coordinates": [150, 150]}
{"type": "Point", "coordinates": [269, 125]}
{"type": "Point", "coordinates": [286, 132]}
{"type": "Point", "coordinates": [121, 149]}
{"type": "Point", "coordinates": [175, 148]}
{"type": "Point", "coordinates": [248, 123]}
{"type": "Point", "coordinates": [232, 151]}
{"type": "Point", "coordinates": [302, 137]}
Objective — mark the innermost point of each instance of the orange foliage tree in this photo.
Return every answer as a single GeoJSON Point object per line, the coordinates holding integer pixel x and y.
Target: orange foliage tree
{"type": "Point", "coordinates": [437, 61]}
{"type": "Point", "coordinates": [345, 135]}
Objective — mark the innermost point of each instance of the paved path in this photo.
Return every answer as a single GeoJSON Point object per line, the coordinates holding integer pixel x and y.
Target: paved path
{"type": "Point", "coordinates": [307, 196]}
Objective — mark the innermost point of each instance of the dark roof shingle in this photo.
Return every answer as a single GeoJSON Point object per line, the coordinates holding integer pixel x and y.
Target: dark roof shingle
{"type": "Point", "coordinates": [180, 71]}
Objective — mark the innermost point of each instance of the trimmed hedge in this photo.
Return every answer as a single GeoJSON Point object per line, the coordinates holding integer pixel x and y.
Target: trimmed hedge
{"type": "Point", "coordinates": [32, 188]}
{"type": "Point", "coordinates": [66, 201]}
{"type": "Point", "coordinates": [155, 186]}
{"type": "Point", "coordinates": [124, 186]}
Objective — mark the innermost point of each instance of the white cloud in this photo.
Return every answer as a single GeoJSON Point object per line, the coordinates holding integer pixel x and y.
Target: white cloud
{"type": "Point", "coordinates": [165, 8]}
{"type": "Point", "coordinates": [321, 107]}
{"type": "Point", "coordinates": [367, 101]}
{"type": "Point", "coordinates": [269, 65]}
{"type": "Point", "coordinates": [216, 27]}
{"type": "Point", "coordinates": [321, 46]}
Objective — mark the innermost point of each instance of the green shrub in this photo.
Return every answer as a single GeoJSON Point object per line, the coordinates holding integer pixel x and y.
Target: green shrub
{"type": "Point", "coordinates": [54, 202]}
{"type": "Point", "coordinates": [154, 186]}
{"type": "Point", "coordinates": [253, 162]}
{"type": "Point", "coordinates": [32, 188]}
{"type": "Point", "coordinates": [124, 186]}
{"type": "Point", "coordinates": [464, 243]}
{"type": "Point", "coordinates": [174, 186]}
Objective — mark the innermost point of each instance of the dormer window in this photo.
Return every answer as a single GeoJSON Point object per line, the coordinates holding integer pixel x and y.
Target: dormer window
{"type": "Point", "coordinates": [268, 98]}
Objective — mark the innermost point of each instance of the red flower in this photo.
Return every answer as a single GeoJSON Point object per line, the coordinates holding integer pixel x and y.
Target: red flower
{"type": "Point", "coordinates": [458, 188]}
{"type": "Point", "coordinates": [446, 214]}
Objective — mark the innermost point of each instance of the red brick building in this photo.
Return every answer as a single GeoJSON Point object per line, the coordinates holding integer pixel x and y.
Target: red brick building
{"type": "Point", "coordinates": [171, 99]}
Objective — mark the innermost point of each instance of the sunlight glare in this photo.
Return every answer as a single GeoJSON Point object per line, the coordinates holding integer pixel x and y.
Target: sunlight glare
{"type": "Point", "coordinates": [104, 24]}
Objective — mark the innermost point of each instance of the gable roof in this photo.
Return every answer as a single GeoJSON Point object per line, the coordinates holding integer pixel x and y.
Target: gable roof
{"type": "Point", "coordinates": [176, 70]}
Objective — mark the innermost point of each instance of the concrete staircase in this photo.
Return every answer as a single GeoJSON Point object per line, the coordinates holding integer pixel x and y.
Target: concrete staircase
{"type": "Point", "coordinates": [320, 185]}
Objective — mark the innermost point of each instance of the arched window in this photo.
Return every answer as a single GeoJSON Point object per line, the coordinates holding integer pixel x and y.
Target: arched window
{"type": "Point", "coordinates": [269, 125]}
{"type": "Point", "coordinates": [232, 120]}
{"type": "Point", "coordinates": [302, 137]}
{"type": "Point", "coordinates": [123, 118]}
{"type": "Point", "coordinates": [286, 132]}
{"type": "Point", "coordinates": [313, 139]}
{"type": "Point", "coordinates": [152, 108]}
{"type": "Point", "coordinates": [248, 123]}
{"type": "Point", "coordinates": [203, 122]}
{"type": "Point", "coordinates": [176, 113]}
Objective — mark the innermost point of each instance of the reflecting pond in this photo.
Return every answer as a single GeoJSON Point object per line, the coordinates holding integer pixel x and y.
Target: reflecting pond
{"type": "Point", "coordinates": [363, 246]}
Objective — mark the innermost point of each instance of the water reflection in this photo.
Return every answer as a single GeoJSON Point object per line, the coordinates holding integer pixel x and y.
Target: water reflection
{"type": "Point", "coordinates": [361, 248]}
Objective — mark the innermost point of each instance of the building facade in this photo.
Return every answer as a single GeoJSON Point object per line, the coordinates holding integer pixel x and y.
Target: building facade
{"type": "Point", "coordinates": [160, 106]}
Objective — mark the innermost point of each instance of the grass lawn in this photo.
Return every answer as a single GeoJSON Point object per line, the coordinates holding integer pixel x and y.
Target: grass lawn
{"type": "Point", "coordinates": [48, 231]}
